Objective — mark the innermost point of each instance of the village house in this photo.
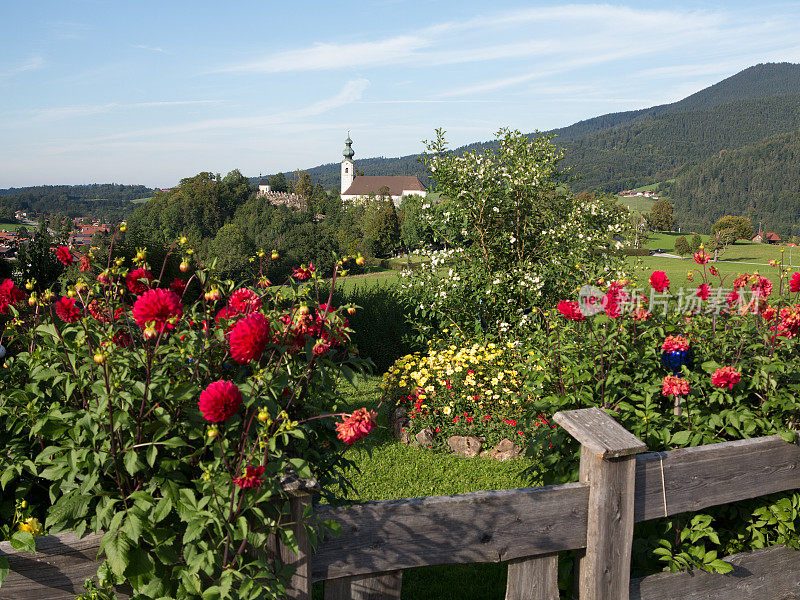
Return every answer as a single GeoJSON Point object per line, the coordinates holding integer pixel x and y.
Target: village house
{"type": "Point", "coordinates": [355, 188]}
{"type": "Point", "coordinates": [767, 238]}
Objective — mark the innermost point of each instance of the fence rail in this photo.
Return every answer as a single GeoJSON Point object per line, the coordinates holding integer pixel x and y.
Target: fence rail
{"type": "Point", "coordinates": [525, 528]}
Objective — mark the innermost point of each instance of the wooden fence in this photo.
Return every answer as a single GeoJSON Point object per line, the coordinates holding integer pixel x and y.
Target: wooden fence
{"type": "Point", "coordinates": [619, 484]}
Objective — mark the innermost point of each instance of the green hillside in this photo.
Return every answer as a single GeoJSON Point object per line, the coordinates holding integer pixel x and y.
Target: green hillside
{"type": "Point", "coordinates": [761, 181]}
{"type": "Point", "coordinates": [629, 149]}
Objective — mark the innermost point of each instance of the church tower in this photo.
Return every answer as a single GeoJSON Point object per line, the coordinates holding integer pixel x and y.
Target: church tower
{"type": "Point", "coordinates": [348, 166]}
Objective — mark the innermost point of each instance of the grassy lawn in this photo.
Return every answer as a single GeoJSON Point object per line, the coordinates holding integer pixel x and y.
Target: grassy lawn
{"type": "Point", "coordinates": [377, 277]}
{"type": "Point", "coordinates": [388, 469]}
{"type": "Point", "coordinates": [14, 226]}
{"type": "Point", "coordinates": [637, 204]}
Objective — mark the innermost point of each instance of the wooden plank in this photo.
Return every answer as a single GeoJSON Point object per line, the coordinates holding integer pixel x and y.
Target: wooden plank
{"type": "Point", "coordinates": [382, 586]}
{"type": "Point", "coordinates": [479, 527]}
{"type": "Point", "coordinates": [55, 572]}
{"type": "Point", "coordinates": [702, 476]}
{"type": "Point", "coordinates": [603, 569]}
{"type": "Point", "coordinates": [299, 586]}
{"type": "Point", "coordinates": [533, 578]}
{"type": "Point", "coordinates": [768, 574]}
{"type": "Point", "coordinates": [599, 433]}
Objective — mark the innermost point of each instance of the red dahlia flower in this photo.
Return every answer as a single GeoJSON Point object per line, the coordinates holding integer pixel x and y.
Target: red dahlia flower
{"type": "Point", "coordinates": [741, 281]}
{"type": "Point", "coordinates": [703, 291]}
{"type": "Point", "coordinates": [356, 426]}
{"type": "Point", "coordinates": [64, 256]}
{"type": "Point", "coordinates": [122, 339]}
{"type": "Point", "coordinates": [158, 306]}
{"type": "Point", "coordinates": [66, 310]}
{"type": "Point", "coordinates": [571, 310]}
{"type": "Point", "coordinates": [220, 401]}
{"type": "Point", "coordinates": [675, 343]}
{"type": "Point", "coordinates": [178, 286]}
{"type": "Point", "coordinates": [762, 286]}
{"type": "Point", "coordinates": [794, 282]}
{"type": "Point", "coordinates": [726, 377]}
{"type": "Point", "coordinates": [701, 257]}
{"type": "Point", "coordinates": [674, 386]}
{"type": "Point", "coordinates": [659, 281]}
{"type": "Point", "coordinates": [249, 337]}
{"type": "Point", "coordinates": [302, 272]}
{"type": "Point", "coordinates": [244, 301]}
{"type": "Point", "coordinates": [9, 295]}
{"type": "Point", "coordinates": [139, 281]}
{"type": "Point", "coordinates": [251, 477]}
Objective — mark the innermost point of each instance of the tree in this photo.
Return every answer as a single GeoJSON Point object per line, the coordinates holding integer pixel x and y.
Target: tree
{"type": "Point", "coordinates": [382, 229]}
{"type": "Point", "coordinates": [741, 226]}
{"type": "Point", "coordinates": [232, 249]}
{"type": "Point", "coordinates": [37, 261]}
{"type": "Point", "coordinates": [304, 187]}
{"type": "Point", "coordinates": [661, 218]}
{"type": "Point", "coordinates": [277, 183]}
{"type": "Point", "coordinates": [695, 244]}
{"type": "Point", "coordinates": [682, 245]}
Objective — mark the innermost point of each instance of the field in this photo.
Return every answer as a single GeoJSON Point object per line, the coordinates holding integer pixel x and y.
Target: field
{"type": "Point", "coordinates": [742, 257]}
{"type": "Point", "coordinates": [640, 204]}
{"type": "Point", "coordinates": [14, 226]}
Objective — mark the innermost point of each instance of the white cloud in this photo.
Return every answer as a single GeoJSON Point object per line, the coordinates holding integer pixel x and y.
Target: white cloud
{"type": "Point", "coordinates": [351, 92]}
{"type": "Point", "coordinates": [151, 48]}
{"type": "Point", "coordinates": [335, 56]}
{"type": "Point", "coordinates": [33, 63]}
{"type": "Point", "coordinates": [83, 110]}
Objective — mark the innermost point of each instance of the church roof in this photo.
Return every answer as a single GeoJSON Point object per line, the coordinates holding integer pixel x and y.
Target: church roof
{"type": "Point", "coordinates": [363, 185]}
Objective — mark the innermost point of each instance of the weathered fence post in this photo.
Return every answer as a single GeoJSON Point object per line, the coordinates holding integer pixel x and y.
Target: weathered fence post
{"type": "Point", "coordinates": [299, 491]}
{"type": "Point", "coordinates": [533, 578]}
{"type": "Point", "coordinates": [608, 465]}
{"type": "Point", "coordinates": [380, 586]}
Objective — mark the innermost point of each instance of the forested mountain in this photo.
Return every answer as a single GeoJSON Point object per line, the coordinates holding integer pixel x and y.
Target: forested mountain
{"type": "Point", "coordinates": [108, 201]}
{"type": "Point", "coordinates": [760, 181]}
{"type": "Point", "coordinates": [628, 149]}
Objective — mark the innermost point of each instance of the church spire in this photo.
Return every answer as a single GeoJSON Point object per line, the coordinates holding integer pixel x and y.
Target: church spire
{"type": "Point", "coordinates": [348, 151]}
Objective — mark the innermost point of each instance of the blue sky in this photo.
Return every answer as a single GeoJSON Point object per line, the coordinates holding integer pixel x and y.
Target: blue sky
{"type": "Point", "coordinates": [150, 92]}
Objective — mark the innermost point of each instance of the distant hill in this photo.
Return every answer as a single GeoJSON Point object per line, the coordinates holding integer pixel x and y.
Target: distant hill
{"type": "Point", "coordinates": [633, 148]}
{"type": "Point", "coordinates": [110, 201]}
{"type": "Point", "coordinates": [761, 180]}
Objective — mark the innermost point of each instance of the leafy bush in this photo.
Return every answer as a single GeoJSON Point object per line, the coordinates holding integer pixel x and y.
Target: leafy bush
{"type": "Point", "coordinates": [514, 237]}
{"type": "Point", "coordinates": [169, 426]}
{"type": "Point", "coordinates": [714, 365]}
{"type": "Point", "coordinates": [379, 323]}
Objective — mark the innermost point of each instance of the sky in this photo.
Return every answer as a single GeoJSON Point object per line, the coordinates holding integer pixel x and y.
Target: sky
{"type": "Point", "coordinates": [149, 92]}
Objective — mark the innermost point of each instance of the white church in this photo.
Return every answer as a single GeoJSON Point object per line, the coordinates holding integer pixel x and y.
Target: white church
{"type": "Point", "coordinates": [358, 188]}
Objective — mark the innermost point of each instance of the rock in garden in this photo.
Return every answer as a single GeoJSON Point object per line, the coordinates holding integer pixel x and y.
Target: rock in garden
{"type": "Point", "coordinates": [464, 445]}
{"type": "Point", "coordinates": [425, 437]}
{"type": "Point", "coordinates": [504, 450]}
{"type": "Point", "coordinates": [399, 421]}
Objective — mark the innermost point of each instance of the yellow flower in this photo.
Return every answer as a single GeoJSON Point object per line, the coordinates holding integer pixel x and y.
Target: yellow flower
{"type": "Point", "coordinates": [32, 526]}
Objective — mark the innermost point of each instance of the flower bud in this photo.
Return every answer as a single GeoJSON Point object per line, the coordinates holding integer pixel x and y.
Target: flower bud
{"type": "Point", "coordinates": [360, 261]}
{"type": "Point", "coordinates": [150, 333]}
{"type": "Point", "coordinates": [184, 266]}
{"type": "Point", "coordinates": [274, 255]}
{"type": "Point", "coordinates": [212, 432]}
{"type": "Point", "coordinates": [99, 358]}
{"type": "Point", "coordinates": [351, 310]}
{"type": "Point", "coordinates": [123, 228]}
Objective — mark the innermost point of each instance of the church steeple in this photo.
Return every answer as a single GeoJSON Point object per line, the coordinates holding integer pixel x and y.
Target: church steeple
{"type": "Point", "coordinates": [348, 151]}
{"type": "Point", "coordinates": [348, 166]}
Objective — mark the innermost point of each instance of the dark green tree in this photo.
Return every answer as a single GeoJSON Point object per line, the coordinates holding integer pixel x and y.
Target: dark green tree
{"type": "Point", "coordinates": [660, 218]}
{"type": "Point", "coordinates": [682, 245]}
{"type": "Point", "coordinates": [382, 229]}
{"type": "Point", "coordinates": [36, 260]}
{"type": "Point", "coordinates": [695, 244]}
{"type": "Point", "coordinates": [741, 226]}
{"type": "Point", "coordinates": [277, 183]}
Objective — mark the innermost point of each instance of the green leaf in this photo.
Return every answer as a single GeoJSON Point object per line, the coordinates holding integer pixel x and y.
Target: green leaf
{"type": "Point", "coordinates": [4, 569]}
{"type": "Point", "coordinates": [161, 510]}
{"type": "Point", "coordinates": [789, 436]}
{"type": "Point", "coordinates": [116, 547]}
{"type": "Point", "coordinates": [131, 461]}
{"type": "Point", "coordinates": [24, 541]}
{"type": "Point", "coordinates": [720, 566]}
{"type": "Point", "coordinates": [680, 438]}
{"type": "Point", "coordinates": [139, 563]}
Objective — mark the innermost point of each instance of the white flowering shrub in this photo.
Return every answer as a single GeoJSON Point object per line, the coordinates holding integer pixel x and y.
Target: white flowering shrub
{"type": "Point", "coordinates": [510, 236]}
